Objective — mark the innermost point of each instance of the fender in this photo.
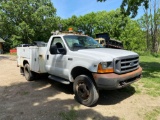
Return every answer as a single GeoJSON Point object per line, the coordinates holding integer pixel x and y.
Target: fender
{"type": "Point", "coordinates": [91, 66]}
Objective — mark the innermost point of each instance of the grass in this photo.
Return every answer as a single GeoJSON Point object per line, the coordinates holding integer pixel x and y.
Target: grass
{"type": "Point", "coordinates": [151, 75]}
{"type": "Point", "coordinates": [10, 54]}
{"type": "Point", "coordinates": [152, 115]}
{"type": "Point", "coordinates": [69, 115]}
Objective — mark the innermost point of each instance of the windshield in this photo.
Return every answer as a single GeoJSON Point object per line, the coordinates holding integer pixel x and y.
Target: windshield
{"type": "Point", "coordinates": [81, 42]}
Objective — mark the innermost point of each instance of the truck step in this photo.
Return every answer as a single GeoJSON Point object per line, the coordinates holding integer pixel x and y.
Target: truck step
{"type": "Point", "coordinates": [61, 80]}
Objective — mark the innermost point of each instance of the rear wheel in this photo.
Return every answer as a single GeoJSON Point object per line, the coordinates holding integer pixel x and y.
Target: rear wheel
{"type": "Point", "coordinates": [29, 75]}
{"type": "Point", "coordinates": [85, 90]}
{"type": "Point", "coordinates": [22, 70]}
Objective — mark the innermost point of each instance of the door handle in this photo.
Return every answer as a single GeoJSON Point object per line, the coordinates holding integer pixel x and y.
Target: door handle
{"type": "Point", "coordinates": [47, 57]}
{"type": "Point", "coordinates": [70, 58]}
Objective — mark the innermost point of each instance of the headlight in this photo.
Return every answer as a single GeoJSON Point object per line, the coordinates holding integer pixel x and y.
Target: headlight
{"type": "Point", "coordinates": [105, 67]}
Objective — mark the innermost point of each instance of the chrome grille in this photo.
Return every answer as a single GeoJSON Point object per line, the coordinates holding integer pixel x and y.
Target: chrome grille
{"type": "Point", "coordinates": [126, 64]}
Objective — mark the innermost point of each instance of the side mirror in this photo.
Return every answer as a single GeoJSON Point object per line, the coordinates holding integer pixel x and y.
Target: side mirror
{"type": "Point", "coordinates": [53, 49]}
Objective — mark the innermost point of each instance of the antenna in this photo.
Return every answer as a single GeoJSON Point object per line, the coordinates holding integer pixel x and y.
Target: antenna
{"type": "Point", "coordinates": [60, 27]}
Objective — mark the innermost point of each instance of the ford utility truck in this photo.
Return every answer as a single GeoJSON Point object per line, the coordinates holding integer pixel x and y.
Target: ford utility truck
{"type": "Point", "coordinates": [81, 60]}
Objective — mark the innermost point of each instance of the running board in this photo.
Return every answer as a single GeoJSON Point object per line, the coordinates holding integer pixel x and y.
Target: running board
{"type": "Point", "coordinates": [61, 80]}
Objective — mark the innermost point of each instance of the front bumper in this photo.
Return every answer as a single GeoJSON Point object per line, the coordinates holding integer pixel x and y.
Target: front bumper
{"type": "Point", "coordinates": [115, 81]}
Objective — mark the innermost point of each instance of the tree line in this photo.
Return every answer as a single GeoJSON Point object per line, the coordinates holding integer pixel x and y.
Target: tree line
{"type": "Point", "coordinates": [34, 20]}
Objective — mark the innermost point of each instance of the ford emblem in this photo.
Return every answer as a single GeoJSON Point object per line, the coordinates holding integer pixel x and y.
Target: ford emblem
{"type": "Point", "coordinates": [131, 64]}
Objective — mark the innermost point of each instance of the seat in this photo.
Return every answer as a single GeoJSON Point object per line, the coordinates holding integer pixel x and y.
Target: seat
{"type": "Point", "coordinates": [59, 45]}
{"type": "Point", "coordinates": [60, 48]}
{"type": "Point", "coordinates": [75, 44]}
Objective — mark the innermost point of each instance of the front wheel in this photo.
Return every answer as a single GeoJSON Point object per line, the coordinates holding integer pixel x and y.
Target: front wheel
{"type": "Point", "coordinates": [85, 90]}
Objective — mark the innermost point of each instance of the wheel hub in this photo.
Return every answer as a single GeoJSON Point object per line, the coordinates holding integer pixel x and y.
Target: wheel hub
{"type": "Point", "coordinates": [83, 91]}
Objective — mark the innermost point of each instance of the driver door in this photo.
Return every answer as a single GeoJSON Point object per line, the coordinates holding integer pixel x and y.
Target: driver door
{"type": "Point", "coordinates": [56, 63]}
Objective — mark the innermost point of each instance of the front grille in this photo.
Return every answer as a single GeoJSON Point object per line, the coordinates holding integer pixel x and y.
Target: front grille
{"type": "Point", "coordinates": [126, 64]}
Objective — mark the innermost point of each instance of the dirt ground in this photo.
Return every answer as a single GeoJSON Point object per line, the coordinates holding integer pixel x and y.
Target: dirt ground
{"type": "Point", "coordinates": [45, 99]}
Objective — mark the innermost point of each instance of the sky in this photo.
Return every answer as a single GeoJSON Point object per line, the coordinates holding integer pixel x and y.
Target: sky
{"type": "Point", "coordinates": [68, 8]}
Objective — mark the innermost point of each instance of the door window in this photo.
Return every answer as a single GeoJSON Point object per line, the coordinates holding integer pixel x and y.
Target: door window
{"type": "Point", "coordinates": [57, 41]}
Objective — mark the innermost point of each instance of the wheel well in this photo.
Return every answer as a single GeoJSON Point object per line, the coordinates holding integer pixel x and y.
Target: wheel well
{"type": "Point", "coordinates": [25, 62]}
{"type": "Point", "coordinates": [79, 71]}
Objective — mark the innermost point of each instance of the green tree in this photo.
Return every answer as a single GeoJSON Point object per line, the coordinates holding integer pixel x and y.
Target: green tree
{"type": "Point", "coordinates": [150, 23]}
{"type": "Point", "coordinates": [133, 37]}
{"type": "Point", "coordinates": [130, 7]}
{"type": "Point", "coordinates": [27, 20]}
{"type": "Point", "coordinates": [112, 22]}
{"type": "Point", "coordinates": [69, 23]}
{"type": "Point", "coordinates": [87, 23]}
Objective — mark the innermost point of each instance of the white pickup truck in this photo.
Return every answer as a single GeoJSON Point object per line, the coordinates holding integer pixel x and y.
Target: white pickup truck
{"type": "Point", "coordinates": [79, 59]}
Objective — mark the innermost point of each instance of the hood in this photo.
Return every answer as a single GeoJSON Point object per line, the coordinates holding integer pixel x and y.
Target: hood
{"type": "Point", "coordinates": [105, 53]}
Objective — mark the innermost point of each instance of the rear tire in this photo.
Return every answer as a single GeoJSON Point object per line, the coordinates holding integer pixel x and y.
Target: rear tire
{"type": "Point", "coordinates": [85, 90]}
{"type": "Point", "coordinates": [22, 70]}
{"type": "Point", "coordinates": [29, 75]}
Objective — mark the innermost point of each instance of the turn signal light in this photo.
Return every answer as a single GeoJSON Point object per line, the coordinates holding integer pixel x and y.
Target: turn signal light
{"type": "Point", "coordinates": [107, 70]}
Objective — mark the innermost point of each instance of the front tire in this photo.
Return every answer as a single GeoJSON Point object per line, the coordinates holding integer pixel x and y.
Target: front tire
{"type": "Point", "coordinates": [85, 90]}
{"type": "Point", "coordinates": [29, 75]}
